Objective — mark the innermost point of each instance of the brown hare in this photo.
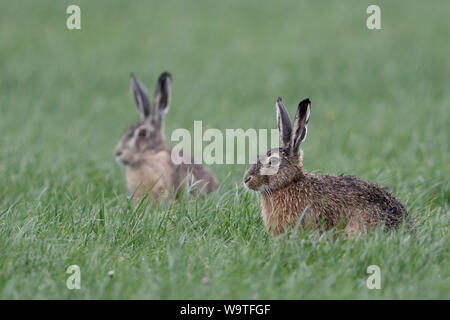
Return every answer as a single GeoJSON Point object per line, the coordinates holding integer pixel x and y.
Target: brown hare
{"type": "Point", "coordinates": [290, 196]}
{"type": "Point", "coordinates": [146, 156]}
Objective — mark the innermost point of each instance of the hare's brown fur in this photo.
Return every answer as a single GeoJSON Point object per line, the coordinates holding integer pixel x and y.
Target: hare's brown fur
{"type": "Point", "coordinates": [157, 175]}
{"type": "Point", "coordinates": [326, 201]}
{"type": "Point", "coordinates": [154, 175]}
{"type": "Point", "coordinates": [321, 201]}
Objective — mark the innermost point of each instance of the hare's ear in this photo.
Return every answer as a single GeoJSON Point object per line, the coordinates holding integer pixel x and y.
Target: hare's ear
{"type": "Point", "coordinates": [140, 97]}
{"type": "Point", "coordinates": [162, 95]}
{"type": "Point", "coordinates": [300, 124]}
{"type": "Point", "coordinates": [284, 123]}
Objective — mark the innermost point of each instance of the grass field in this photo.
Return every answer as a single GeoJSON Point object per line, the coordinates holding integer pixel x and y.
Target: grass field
{"type": "Point", "coordinates": [381, 106]}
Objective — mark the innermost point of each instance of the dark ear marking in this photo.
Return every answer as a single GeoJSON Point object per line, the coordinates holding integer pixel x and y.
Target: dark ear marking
{"type": "Point", "coordinates": [284, 123]}
{"type": "Point", "coordinates": [162, 95]}
{"type": "Point", "coordinates": [300, 124]}
{"type": "Point", "coordinates": [140, 97]}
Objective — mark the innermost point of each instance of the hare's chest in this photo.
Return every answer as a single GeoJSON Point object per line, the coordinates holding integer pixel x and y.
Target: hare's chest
{"type": "Point", "coordinates": [281, 210]}
{"type": "Point", "coordinates": [153, 176]}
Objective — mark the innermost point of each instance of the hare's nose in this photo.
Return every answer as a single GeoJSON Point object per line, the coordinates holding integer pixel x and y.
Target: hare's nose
{"type": "Point", "coordinates": [118, 153]}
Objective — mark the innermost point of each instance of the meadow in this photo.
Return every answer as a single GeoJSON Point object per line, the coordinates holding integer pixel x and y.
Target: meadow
{"type": "Point", "coordinates": [380, 110]}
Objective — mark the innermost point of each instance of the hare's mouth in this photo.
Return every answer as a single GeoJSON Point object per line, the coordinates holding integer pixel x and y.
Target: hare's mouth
{"type": "Point", "coordinates": [264, 188]}
{"type": "Point", "coordinates": [122, 161]}
{"type": "Point", "coordinates": [250, 183]}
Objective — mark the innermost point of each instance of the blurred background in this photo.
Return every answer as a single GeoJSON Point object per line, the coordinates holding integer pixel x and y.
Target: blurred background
{"type": "Point", "coordinates": [380, 97]}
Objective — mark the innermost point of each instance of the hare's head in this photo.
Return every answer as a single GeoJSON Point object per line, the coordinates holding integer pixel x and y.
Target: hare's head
{"type": "Point", "coordinates": [278, 167]}
{"type": "Point", "coordinates": [148, 134]}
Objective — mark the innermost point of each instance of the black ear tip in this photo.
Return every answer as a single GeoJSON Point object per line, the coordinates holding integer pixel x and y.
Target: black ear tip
{"type": "Point", "coordinates": [165, 75]}
{"type": "Point", "coordinates": [132, 76]}
{"type": "Point", "coordinates": [279, 99]}
{"type": "Point", "coordinates": [305, 101]}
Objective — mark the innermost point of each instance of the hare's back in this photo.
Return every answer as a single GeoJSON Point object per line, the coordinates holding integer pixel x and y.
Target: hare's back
{"type": "Point", "coordinates": [353, 194]}
{"type": "Point", "coordinates": [199, 176]}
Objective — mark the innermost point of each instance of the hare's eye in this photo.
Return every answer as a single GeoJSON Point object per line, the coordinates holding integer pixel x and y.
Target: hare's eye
{"type": "Point", "coordinates": [273, 161]}
{"type": "Point", "coordinates": [142, 133]}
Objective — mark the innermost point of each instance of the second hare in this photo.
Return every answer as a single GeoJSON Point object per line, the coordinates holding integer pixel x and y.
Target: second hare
{"type": "Point", "coordinates": [289, 195]}
{"type": "Point", "coordinates": [146, 156]}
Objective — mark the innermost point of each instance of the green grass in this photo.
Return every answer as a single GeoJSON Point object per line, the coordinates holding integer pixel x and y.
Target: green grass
{"type": "Point", "coordinates": [380, 111]}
